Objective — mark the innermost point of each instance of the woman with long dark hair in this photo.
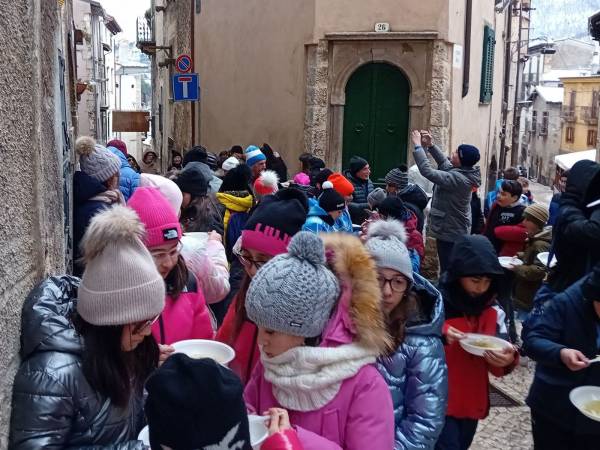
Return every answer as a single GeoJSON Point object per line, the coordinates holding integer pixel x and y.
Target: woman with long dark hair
{"type": "Point", "coordinates": [415, 370]}
{"type": "Point", "coordinates": [86, 344]}
{"type": "Point", "coordinates": [266, 235]}
{"type": "Point", "coordinates": [186, 315]}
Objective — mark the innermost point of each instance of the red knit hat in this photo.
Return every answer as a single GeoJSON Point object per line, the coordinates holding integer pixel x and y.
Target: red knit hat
{"type": "Point", "coordinates": [118, 144]}
{"type": "Point", "coordinates": [266, 184]}
{"type": "Point", "coordinates": [157, 215]}
{"type": "Point", "coordinates": [341, 184]}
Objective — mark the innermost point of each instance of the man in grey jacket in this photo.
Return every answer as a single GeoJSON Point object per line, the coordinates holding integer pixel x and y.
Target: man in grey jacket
{"type": "Point", "coordinates": [454, 180]}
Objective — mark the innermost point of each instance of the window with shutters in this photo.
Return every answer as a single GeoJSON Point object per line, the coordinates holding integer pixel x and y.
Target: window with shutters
{"type": "Point", "coordinates": [534, 122]}
{"type": "Point", "coordinates": [544, 129]}
{"type": "Point", "coordinates": [591, 138]}
{"type": "Point", "coordinates": [570, 134]}
{"type": "Point", "coordinates": [487, 65]}
{"type": "Point", "coordinates": [594, 111]}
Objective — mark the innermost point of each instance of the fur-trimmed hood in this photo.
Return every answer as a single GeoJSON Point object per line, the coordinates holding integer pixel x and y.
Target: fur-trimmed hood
{"type": "Point", "coordinates": [358, 316]}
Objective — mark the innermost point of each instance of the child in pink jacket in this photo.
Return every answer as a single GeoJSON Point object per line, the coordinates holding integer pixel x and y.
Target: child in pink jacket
{"type": "Point", "coordinates": [185, 315]}
{"type": "Point", "coordinates": [319, 334]}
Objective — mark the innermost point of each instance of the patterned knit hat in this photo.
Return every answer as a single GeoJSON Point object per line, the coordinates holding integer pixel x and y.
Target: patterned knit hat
{"type": "Point", "coordinates": [537, 213]}
{"type": "Point", "coordinates": [276, 219]}
{"type": "Point", "coordinates": [254, 155]}
{"type": "Point", "coordinates": [196, 403]}
{"type": "Point", "coordinates": [120, 284]}
{"type": "Point", "coordinates": [397, 177]}
{"type": "Point", "coordinates": [386, 243]}
{"type": "Point", "coordinates": [167, 188]}
{"type": "Point", "coordinates": [96, 161]}
{"type": "Point", "coordinates": [294, 293]}
{"type": "Point", "coordinates": [266, 183]}
{"type": "Point", "coordinates": [157, 215]}
{"type": "Point", "coordinates": [341, 184]}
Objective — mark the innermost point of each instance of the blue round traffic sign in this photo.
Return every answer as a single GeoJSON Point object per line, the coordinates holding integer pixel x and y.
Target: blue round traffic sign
{"type": "Point", "coordinates": [183, 64]}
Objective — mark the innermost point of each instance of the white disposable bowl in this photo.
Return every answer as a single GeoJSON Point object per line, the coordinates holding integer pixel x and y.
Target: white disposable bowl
{"type": "Point", "coordinates": [509, 261]}
{"type": "Point", "coordinates": [467, 345]}
{"type": "Point", "coordinates": [581, 395]}
{"type": "Point", "coordinates": [258, 432]}
{"type": "Point", "coordinates": [203, 348]}
{"type": "Point", "coordinates": [543, 258]}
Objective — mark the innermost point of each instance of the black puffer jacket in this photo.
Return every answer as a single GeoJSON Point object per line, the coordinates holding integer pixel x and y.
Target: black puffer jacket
{"type": "Point", "coordinates": [53, 405]}
{"type": "Point", "coordinates": [362, 189]}
{"type": "Point", "coordinates": [577, 230]}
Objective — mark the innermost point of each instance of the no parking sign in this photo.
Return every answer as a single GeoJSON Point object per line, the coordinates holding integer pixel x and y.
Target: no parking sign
{"type": "Point", "coordinates": [183, 64]}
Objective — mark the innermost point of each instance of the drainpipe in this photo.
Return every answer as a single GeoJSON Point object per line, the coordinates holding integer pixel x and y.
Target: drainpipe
{"type": "Point", "coordinates": [505, 90]}
{"type": "Point", "coordinates": [192, 104]}
{"type": "Point", "coordinates": [467, 50]}
{"type": "Point", "coordinates": [514, 151]}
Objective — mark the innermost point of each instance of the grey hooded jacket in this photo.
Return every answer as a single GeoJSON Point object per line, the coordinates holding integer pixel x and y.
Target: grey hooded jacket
{"type": "Point", "coordinates": [450, 215]}
{"type": "Point", "coordinates": [417, 374]}
{"type": "Point", "coordinates": [53, 405]}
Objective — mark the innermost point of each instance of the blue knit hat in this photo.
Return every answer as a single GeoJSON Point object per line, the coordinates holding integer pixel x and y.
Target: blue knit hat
{"type": "Point", "coordinates": [254, 155]}
{"type": "Point", "coordinates": [468, 155]}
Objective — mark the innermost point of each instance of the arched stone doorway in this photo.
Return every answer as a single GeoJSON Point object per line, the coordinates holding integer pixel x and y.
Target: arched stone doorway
{"type": "Point", "coordinates": [376, 117]}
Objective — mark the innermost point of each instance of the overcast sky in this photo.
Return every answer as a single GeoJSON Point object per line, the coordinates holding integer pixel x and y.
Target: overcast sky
{"type": "Point", "coordinates": [126, 11]}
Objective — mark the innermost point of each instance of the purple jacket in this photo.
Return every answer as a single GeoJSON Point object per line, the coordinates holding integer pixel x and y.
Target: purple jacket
{"type": "Point", "coordinates": [360, 416]}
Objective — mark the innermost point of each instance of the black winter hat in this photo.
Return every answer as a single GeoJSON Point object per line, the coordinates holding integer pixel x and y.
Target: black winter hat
{"type": "Point", "coordinates": [196, 403]}
{"type": "Point", "coordinates": [591, 286]}
{"type": "Point", "coordinates": [394, 208]}
{"type": "Point", "coordinates": [468, 155]}
{"type": "Point", "coordinates": [197, 154]}
{"type": "Point", "coordinates": [237, 179]}
{"type": "Point", "coordinates": [473, 255]}
{"type": "Point", "coordinates": [330, 200]}
{"type": "Point", "coordinates": [321, 177]}
{"type": "Point", "coordinates": [194, 179]}
{"type": "Point", "coordinates": [284, 211]}
{"type": "Point", "coordinates": [356, 164]}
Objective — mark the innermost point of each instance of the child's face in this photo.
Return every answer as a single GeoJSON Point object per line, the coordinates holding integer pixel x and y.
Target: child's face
{"type": "Point", "coordinates": [475, 286]}
{"type": "Point", "coordinates": [273, 343]}
{"type": "Point", "coordinates": [531, 227]}
{"type": "Point", "coordinates": [165, 257]}
{"type": "Point", "coordinates": [505, 198]}
{"type": "Point", "coordinates": [393, 286]}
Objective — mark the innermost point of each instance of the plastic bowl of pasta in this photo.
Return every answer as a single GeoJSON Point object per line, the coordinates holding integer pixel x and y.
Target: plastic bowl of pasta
{"type": "Point", "coordinates": [478, 344]}
{"type": "Point", "coordinates": [203, 348]}
{"type": "Point", "coordinates": [587, 400]}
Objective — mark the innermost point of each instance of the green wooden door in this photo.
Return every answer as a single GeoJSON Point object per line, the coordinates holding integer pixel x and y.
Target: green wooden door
{"type": "Point", "coordinates": [376, 117]}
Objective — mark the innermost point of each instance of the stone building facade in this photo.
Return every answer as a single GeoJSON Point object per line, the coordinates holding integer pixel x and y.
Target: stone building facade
{"type": "Point", "coordinates": [279, 72]}
{"type": "Point", "coordinates": [37, 116]}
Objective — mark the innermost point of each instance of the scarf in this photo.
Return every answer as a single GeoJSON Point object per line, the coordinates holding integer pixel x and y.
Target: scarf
{"type": "Point", "coordinates": [234, 203]}
{"type": "Point", "coordinates": [307, 378]}
{"type": "Point", "coordinates": [111, 197]}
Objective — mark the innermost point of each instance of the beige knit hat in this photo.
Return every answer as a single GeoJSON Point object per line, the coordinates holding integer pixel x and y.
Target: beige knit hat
{"type": "Point", "coordinates": [537, 213]}
{"type": "Point", "coordinates": [120, 284]}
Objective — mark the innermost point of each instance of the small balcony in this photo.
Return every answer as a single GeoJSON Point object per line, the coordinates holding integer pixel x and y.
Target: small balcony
{"type": "Point", "coordinates": [145, 40]}
{"type": "Point", "coordinates": [568, 114]}
{"type": "Point", "coordinates": [590, 115]}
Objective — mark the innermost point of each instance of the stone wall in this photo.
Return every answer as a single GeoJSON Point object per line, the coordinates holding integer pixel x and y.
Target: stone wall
{"type": "Point", "coordinates": [32, 239]}
{"type": "Point", "coordinates": [317, 98]}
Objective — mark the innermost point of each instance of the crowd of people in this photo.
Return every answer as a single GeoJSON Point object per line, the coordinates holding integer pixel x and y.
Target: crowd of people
{"type": "Point", "coordinates": [315, 281]}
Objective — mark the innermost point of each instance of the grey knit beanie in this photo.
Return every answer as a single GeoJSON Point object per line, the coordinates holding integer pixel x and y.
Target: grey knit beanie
{"type": "Point", "coordinates": [295, 292]}
{"type": "Point", "coordinates": [397, 177]}
{"type": "Point", "coordinates": [96, 161]}
{"type": "Point", "coordinates": [376, 197]}
{"type": "Point", "coordinates": [120, 284]}
{"type": "Point", "coordinates": [385, 242]}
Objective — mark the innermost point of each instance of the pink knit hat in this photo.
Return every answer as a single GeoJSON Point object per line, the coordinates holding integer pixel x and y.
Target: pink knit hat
{"type": "Point", "coordinates": [302, 179]}
{"type": "Point", "coordinates": [167, 187]}
{"type": "Point", "coordinates": [157, 215]}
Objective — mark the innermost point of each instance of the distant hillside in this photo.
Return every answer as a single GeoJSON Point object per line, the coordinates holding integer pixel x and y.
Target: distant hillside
{"type": "Point", "coordinates": [562, 18]}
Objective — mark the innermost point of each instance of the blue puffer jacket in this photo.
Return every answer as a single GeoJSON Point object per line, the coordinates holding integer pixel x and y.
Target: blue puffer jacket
{"type": "Point", "coordinates": [417, 373]}
{"type": "Point", "coordinates": [316, 220]}
{"type": "Point", "coordinates": [129, 179]}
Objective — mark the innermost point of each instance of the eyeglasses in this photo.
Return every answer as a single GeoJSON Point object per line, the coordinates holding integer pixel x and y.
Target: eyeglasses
{"type": "Point", "coordinates": [171, 254]}
{"type": "Point", "coordinates": [248, 262]}
{"type": "Point", "coordinates": [397, 284]}
{"type": "Point", "coordinates": [143, 325]}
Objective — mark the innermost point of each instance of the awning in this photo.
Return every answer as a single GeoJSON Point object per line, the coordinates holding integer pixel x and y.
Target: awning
{"type": "Point", "coordinates": [568, 160]}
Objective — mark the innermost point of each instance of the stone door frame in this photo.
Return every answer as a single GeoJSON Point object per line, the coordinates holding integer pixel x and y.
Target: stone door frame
{"type": "Point", "coordinates": [420, 56]}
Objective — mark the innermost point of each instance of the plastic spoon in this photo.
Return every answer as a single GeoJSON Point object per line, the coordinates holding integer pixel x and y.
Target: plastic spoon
{"type": "Point", "coordinates": [596, 359]}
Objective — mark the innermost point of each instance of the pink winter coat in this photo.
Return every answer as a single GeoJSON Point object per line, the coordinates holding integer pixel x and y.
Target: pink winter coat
{"type": "Point", "coordinates": [359, 417]}
{"type": "Point", "coordinates": [187, 317]}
